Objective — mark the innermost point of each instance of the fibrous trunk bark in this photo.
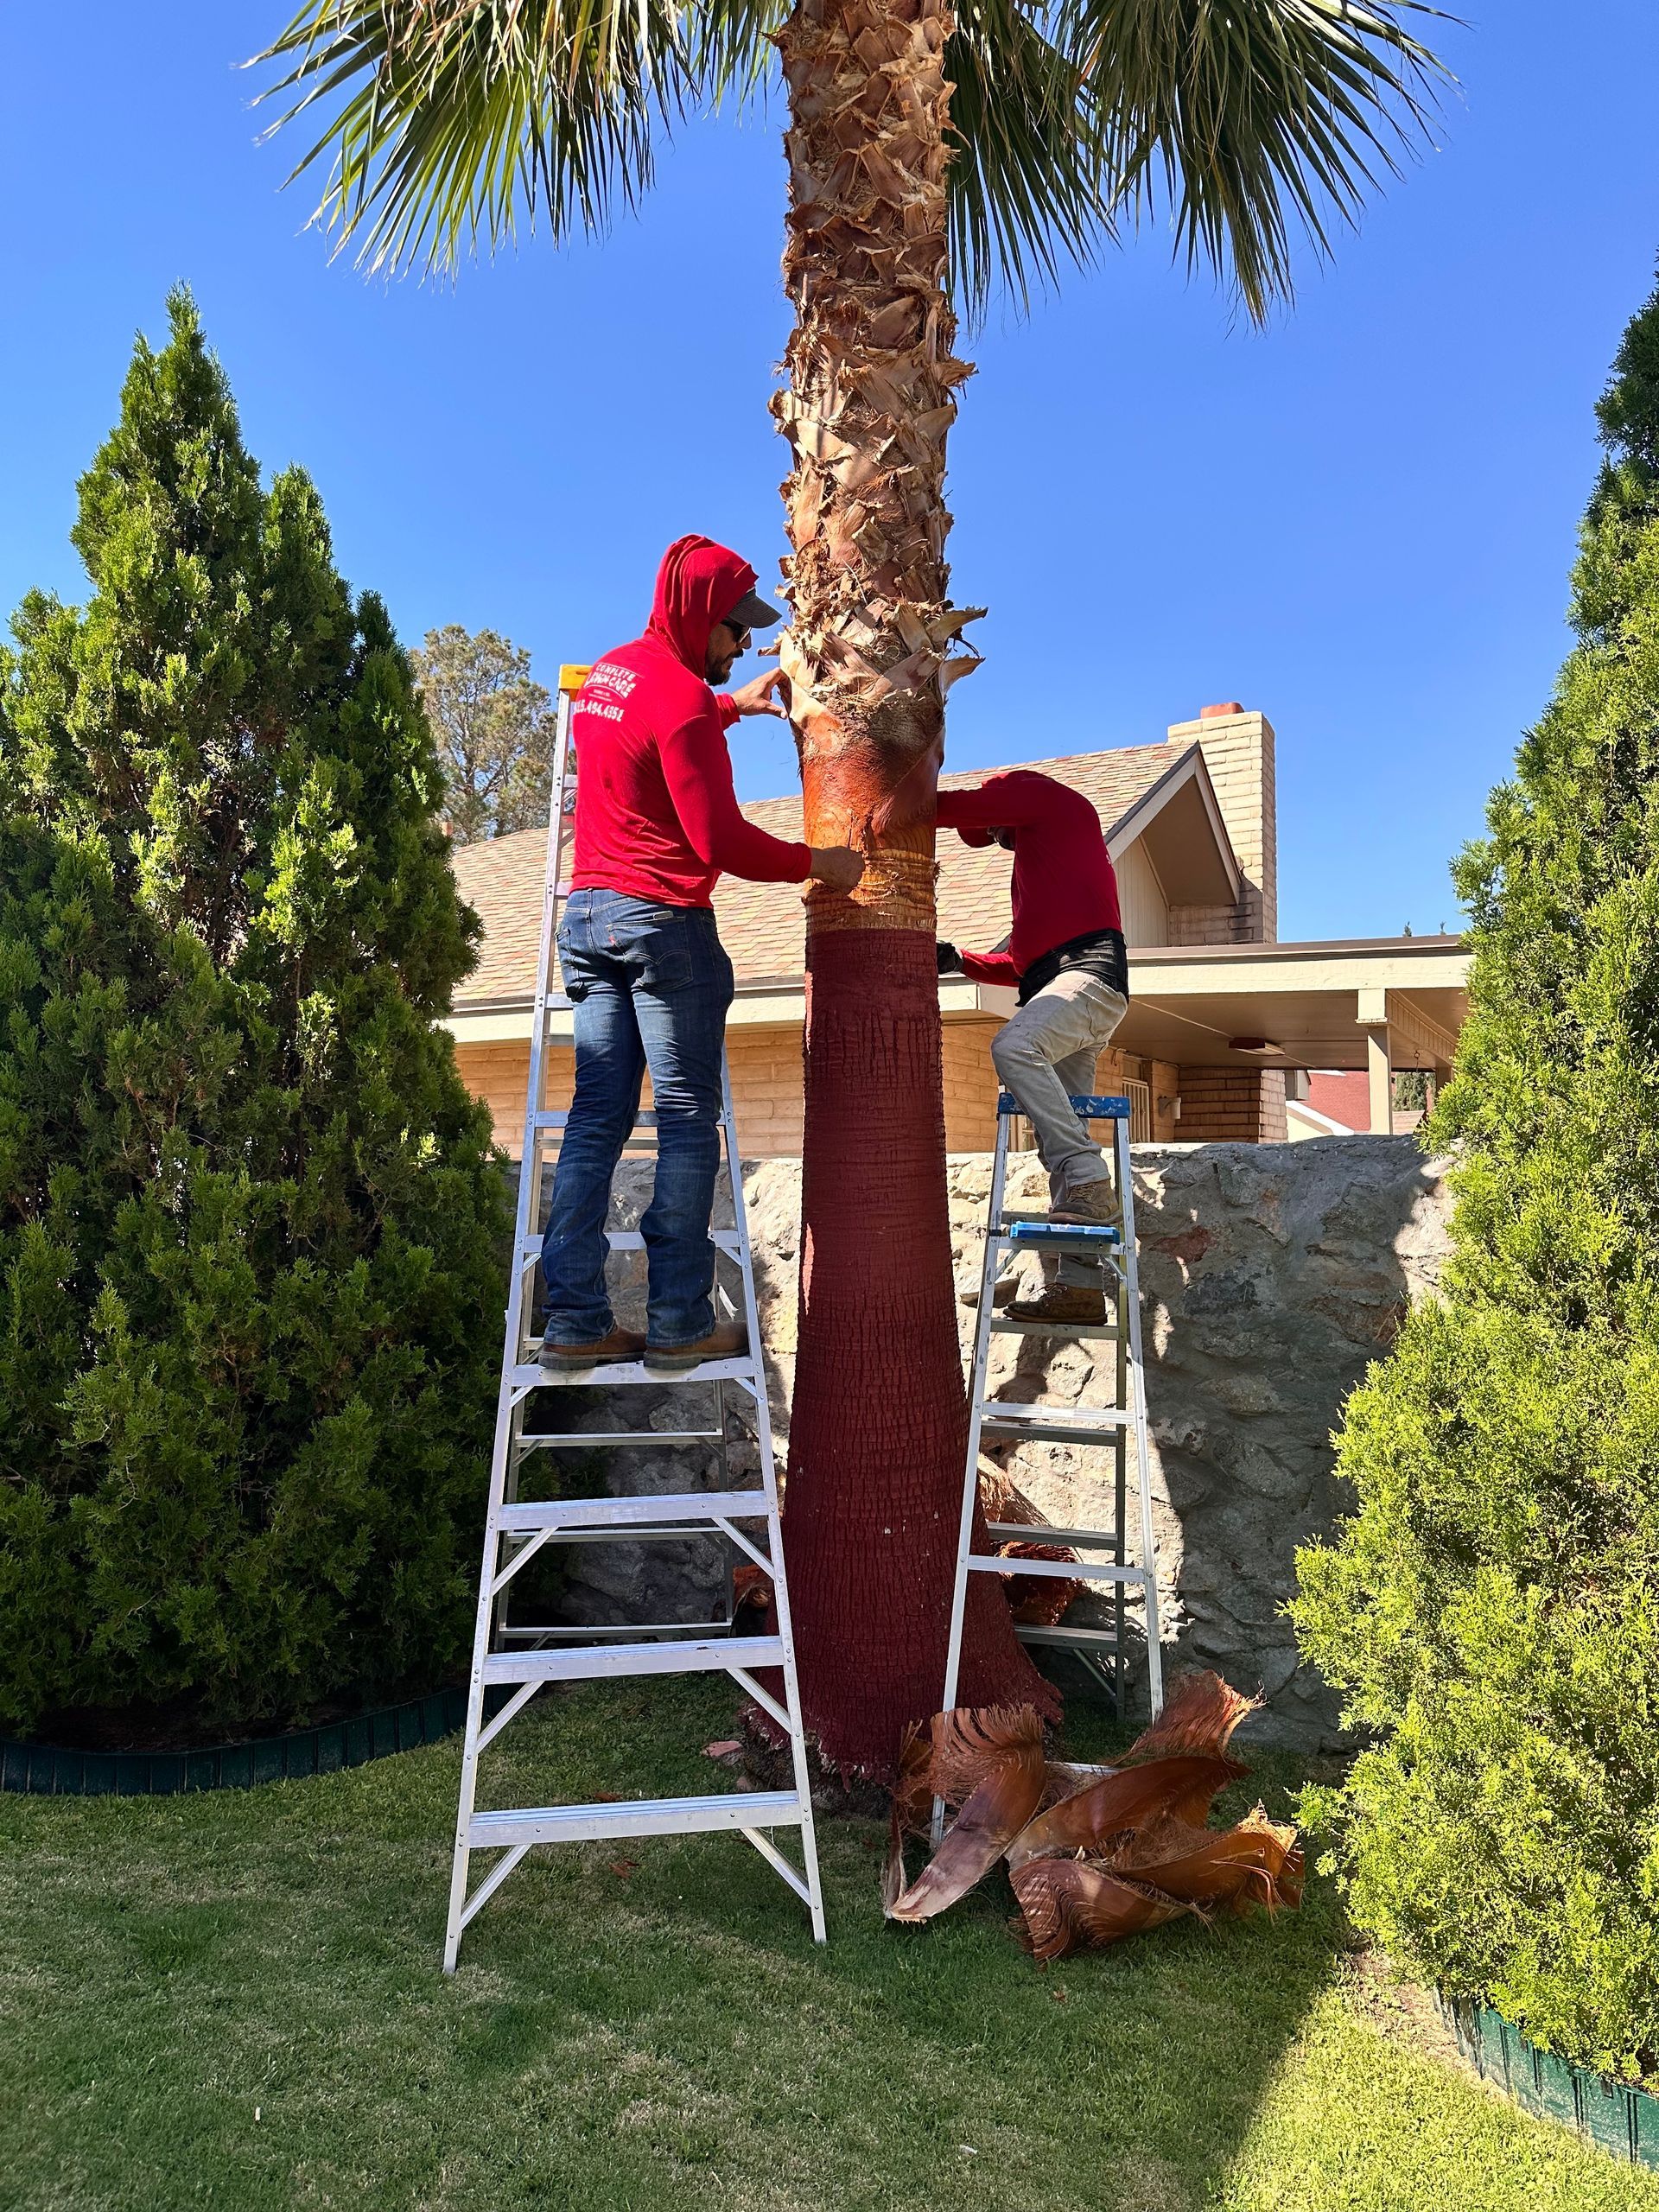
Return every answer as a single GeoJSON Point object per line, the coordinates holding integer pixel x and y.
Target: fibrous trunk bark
{"type": "Point", "coordinates": [879, 1423]}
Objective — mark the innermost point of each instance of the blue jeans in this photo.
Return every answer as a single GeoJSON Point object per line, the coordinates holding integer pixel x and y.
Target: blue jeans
{"type": "Point", "coordinates": [649, 986]}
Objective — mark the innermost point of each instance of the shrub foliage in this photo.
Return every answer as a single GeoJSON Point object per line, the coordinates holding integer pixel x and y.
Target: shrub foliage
{"type": "Point", "coordinates": [249, 1219]}
{"type": "Point", "coordinates": [1492, 1612]}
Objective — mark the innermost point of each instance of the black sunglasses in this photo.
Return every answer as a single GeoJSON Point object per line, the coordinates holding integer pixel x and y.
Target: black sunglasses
{"type": "Point", "coordinates": [738, 631]}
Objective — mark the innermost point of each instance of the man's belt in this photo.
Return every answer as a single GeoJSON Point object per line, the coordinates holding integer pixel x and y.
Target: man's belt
{"type": "Point", "coordinates": [1098, 952]}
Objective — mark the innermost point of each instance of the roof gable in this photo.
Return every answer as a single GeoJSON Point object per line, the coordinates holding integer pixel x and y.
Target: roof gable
{"type": "Point", "coordinates": [763, 924]}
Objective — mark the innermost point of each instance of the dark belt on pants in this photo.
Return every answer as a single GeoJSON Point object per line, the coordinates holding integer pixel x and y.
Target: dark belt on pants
{"type": "Point", "coordinates": [1098, 952]}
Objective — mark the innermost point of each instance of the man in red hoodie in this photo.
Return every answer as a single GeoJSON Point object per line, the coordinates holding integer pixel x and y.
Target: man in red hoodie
{"type": "Point", "coordinates": [1065, 957]}
{"type": "Point", "coordinates": [657, 825]}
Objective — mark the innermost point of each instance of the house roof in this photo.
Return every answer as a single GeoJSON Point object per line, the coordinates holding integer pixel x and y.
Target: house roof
{"type": "Point", "coordinates": [762, 925]}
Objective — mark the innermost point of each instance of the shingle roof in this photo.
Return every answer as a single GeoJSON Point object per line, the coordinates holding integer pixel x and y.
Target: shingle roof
{"type": "Point", "coordinates": [762, 925]}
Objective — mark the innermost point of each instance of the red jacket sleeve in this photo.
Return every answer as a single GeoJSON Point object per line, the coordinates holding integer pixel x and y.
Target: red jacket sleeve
{"type": "Point", "coordinates": [990, 966]}
{"type": "Point", "coordinates": [1000, 803]}
{"type": "Point", "coordinates": [697, 769]}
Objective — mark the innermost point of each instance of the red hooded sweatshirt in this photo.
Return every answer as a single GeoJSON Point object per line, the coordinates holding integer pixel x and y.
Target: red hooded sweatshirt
{"type": "Point", "coordinates": [1063, 883]}
{"type": "Point", "coordinates": [656, 816]}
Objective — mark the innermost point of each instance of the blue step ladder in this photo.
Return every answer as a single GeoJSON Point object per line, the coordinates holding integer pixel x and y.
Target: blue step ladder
{"type": "Point", "coordinates": [1119, 1429]}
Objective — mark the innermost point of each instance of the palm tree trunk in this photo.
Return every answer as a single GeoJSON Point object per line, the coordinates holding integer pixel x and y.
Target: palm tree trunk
{"type": "Point", "coordinates": [878, 1428]}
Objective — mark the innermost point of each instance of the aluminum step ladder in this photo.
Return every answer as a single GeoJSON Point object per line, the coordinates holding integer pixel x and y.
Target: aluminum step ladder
{"type": "Point", "coordinates": [1116, 1428]}
{"type": "Point", "coordinates": [513, 1662]}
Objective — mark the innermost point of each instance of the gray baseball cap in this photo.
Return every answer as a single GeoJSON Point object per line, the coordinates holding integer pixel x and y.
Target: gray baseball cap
{"type": "Point", "coordinates": [751, 613]}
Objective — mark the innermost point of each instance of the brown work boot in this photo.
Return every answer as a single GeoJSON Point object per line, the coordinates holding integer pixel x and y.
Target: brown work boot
{"type": "Point", "coordinates": [1071, 1304]}
{"type": "Point", "coordinates": [1091, 1206]}
{"type": "Point", "coordinates": [725, 1340]}
{"type": "Point", "coordinates": [620, 1343]}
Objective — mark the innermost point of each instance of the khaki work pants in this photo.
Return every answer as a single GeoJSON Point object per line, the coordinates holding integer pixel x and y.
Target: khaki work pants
{"type": "Point", "coordinates": [1044, 1056]}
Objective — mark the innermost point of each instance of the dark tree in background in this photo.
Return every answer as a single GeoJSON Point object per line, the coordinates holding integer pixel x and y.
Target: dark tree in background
{"type": "Point", "coordinates": [249, 1289]}
{"type": "Point", "coordinates": [494, 724]}
{"type": "Point", "coordinates": [1492, 1612]}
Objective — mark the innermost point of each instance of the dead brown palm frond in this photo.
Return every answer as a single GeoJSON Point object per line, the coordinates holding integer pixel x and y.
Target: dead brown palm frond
{"type": "Point", "coordinates": [1199, 1715]}
{"type": "Point", "coordinates": [1094, 1857]}
{"type": "Point", "coordinates": [1126, 1800]}
{"type": "Point", "coordinates": [996, 1757]}
{"type": "Point", "coordinates": [1039, 1600]}
{"type": "Point", "coordinates": [1076, 1904]}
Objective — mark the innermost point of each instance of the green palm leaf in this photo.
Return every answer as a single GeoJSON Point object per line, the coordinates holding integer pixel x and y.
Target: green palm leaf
{"type": "Point", "coordinates": [446, 121]}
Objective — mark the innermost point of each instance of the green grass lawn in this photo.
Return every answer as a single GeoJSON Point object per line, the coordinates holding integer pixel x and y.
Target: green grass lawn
{"type": "Point", "coordinates": [234, 1999]}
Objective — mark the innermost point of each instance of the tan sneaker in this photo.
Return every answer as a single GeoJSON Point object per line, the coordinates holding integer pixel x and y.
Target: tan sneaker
{"type": "Point", "coordinates": [1091, 1206]}
{"type": "Point", "coordinates": [725, 1340]}
{"type": "Point", "coordinates": [622, 1344]}
{"type": "Point", "coordinates": [1073, 1305]}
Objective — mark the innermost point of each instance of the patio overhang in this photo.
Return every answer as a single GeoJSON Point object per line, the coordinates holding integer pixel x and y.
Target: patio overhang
{"type": "Point", "coordinates": [1298, 1006]}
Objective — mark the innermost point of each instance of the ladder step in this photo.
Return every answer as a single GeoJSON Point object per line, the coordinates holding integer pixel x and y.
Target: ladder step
{"type": "Point", "coordinates": [1083, 1331]}
{"type": "Point", "coordinates": [1096, 1639]}
{"type": "Point", "coordinates": [630, 1240]}
{"type": "Point", "coordinates": [1069, 1570]}
{"type": "Point", "coordinates": [747, 1808]}
{"type": "Point", "coordinates": [577, 1439]}
{"type": "Point", "coordinates": [1057, 1236]}
{"type": "Point", "coordinates": [532, 1375]}
{"type": "Point", "coordinates": [1021, 1532]}
{"type": "Point", "coordinates": [707, 1655]}
{"type": "Point", "coordinates": [1049, 1425]}
{"type": "Point", "coordinates": [628, 1512]}
{"type": "Point", "coordinates": [556, 1118]}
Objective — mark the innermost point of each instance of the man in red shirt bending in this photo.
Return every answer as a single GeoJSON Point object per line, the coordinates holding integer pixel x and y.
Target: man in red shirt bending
{"type": "Point", "coordinates": [1065, 955]}
{"type": "Point", "coordinates": [657, 825]}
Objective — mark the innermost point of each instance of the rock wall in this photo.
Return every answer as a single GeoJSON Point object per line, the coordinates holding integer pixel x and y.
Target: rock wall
{"type": "Point", "coordinates": [1271, 1274]}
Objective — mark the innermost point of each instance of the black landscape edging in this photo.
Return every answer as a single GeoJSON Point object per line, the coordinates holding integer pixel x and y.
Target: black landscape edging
{"type": "Point", "coordinates": [1619, 2120]}
{"type": "Point", "coordinates": [54, 1770]}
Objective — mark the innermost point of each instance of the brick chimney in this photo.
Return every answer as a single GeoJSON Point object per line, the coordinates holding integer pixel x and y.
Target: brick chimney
{"type": "Point", "coordinates": [1237, 751]}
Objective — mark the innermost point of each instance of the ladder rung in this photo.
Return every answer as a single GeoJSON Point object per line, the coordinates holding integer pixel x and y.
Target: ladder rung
{"type": "Point", "coordinates": [563, 1631]}
{"type": "Point", "coordinates": [704, 1656]}
{"type": "Point", "coordinates": [576, 1440]}
{"type": "Point", "coordinates": [1058, 1235]}
{"type": "Point", "coordinates": [556, 1118]}
{"type": "Point", "coordinates": [1050, 1427]}
{"type": "Point", "coordinates": [1085, 1331]}
{"type": "Point", "coordinates": [744, 1808]}
{"type": "Point", "coordinates": [630, 1240]}
{"type": "Point", "coordinates": [624, 1512]}
{"type": "Point", "coordinates": [1029, 1632]}
{"type": "Point", "coordinates": [532, 1375]}
{"type": "Point", "coordinates": [1020, 1532]}
{"type": "Point", "coordinates": [1068, 1570]}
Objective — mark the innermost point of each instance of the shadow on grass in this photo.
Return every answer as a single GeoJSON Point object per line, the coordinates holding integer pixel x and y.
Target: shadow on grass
{"type": "Point", "coordinates": [235, 1999]}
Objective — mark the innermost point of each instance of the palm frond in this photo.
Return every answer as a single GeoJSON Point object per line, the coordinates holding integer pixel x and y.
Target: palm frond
{"type": "Point", "coordinates": [445, 121]}
{"type": "Point", "coordinates": [1252, 119]}
{"type": "Point", "coordinates": [1026, 183]}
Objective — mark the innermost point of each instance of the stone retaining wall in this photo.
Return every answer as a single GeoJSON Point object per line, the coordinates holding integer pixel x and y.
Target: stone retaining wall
{"type": "Point", "coordinates": [1270, 1275]}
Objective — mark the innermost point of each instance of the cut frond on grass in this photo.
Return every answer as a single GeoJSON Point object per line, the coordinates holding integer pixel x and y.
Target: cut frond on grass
{"type": "Point", "coordinates": [1125, 1852]}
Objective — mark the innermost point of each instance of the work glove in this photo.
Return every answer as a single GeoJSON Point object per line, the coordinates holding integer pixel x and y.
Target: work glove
{"type": "Point", "coordinates": [949, 958]}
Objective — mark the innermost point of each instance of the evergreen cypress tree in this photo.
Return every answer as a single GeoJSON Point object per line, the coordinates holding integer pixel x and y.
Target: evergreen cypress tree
{"type": "Point", "coordinates": [1493, 1610]}
{"type": "Point", "coordinates": [249, 1219]}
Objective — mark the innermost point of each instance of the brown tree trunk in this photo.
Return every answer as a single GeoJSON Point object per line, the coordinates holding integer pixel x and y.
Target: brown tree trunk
{"type": "Point", "coordinates": [879, 1423]}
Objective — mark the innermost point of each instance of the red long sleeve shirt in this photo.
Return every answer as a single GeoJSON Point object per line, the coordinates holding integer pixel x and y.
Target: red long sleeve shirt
{"type": "Point", "coordinates": [1064, 882]}
{"type": "Point", "coordinates": [657, 816]}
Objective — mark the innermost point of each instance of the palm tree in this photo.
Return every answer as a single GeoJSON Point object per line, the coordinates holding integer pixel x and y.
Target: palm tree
{"type": "Point", "coordinates": [934, 147]}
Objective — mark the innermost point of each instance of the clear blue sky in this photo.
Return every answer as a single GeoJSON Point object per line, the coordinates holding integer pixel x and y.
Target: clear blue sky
{"type": "Point", "coordinates": [1359, 521]}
